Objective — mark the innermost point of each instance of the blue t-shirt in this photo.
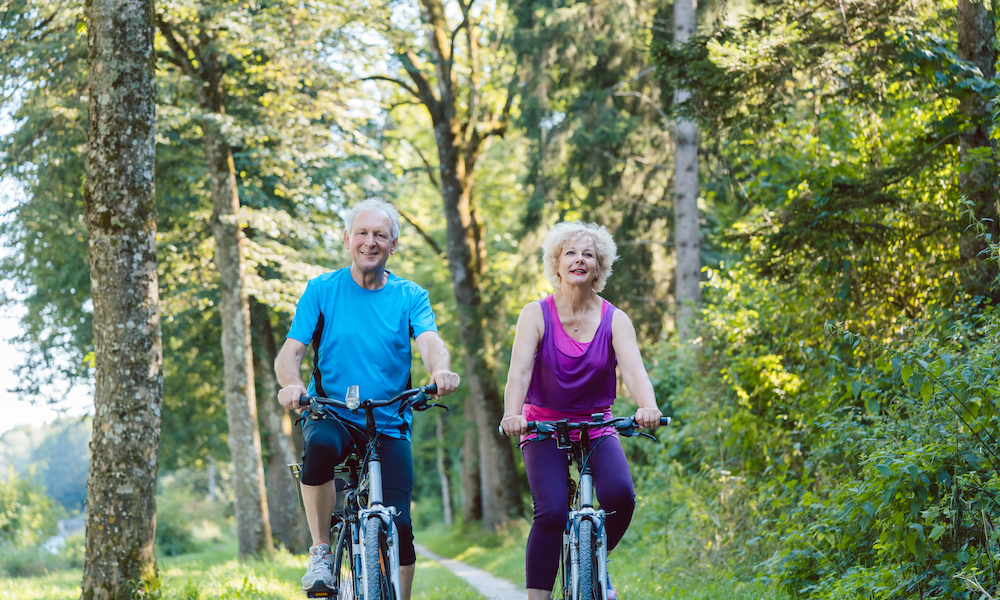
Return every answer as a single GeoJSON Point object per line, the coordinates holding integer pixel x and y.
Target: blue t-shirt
{"type": "Point", "coordinates": [362, 337]}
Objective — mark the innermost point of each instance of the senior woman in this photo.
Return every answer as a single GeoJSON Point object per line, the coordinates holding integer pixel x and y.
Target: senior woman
{"type": "Point", "coordinates": [562, 366]}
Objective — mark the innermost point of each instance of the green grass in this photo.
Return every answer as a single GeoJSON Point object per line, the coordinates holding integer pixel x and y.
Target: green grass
{"type": "Point", "coordinates": [215, 574]}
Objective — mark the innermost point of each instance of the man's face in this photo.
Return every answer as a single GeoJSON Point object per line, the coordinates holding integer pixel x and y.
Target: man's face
{"type": "Point", "coordinates": [370, 240]}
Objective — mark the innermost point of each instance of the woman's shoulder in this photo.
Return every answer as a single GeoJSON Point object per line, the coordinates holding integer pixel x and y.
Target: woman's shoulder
{"type": "Point", "coordinates": [533, 310]}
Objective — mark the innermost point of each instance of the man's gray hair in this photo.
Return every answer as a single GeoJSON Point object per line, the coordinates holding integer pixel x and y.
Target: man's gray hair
{"type": "Point", "coordinates": [374, 203]}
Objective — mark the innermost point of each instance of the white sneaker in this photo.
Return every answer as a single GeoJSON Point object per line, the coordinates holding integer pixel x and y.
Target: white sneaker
{"type": "Point", "coordinates": [319, 575]}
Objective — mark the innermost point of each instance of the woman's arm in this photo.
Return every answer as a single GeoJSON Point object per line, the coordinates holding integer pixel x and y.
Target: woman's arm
{"type": "Point", "coordinates": [633, 371]}
{"type": "Point", "coordinates": [530, 325]}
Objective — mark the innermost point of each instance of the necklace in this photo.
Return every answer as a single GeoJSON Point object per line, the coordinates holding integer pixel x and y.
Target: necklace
{"type": "Point", "coordinates": [576, 326]}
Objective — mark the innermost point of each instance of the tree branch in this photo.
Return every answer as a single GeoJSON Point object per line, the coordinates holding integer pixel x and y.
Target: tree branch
{"type": "Point", "coordinates": [426, 95]}
{"type": "Point", "coordinates": [427, 164]}
{"type": "Point", "coordinates": [647, 100]}
{"type": "Point", "coordinates": [398, 82]}
{"type": "Point", "coordinates": [430, 241]}
{"type": "Point", "coordinates": [178, 50]}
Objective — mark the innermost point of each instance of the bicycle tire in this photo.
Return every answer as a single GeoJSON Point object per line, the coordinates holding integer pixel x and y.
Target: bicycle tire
{"type": "Point", "coordinates": [378, 583]}
{"type": "Point", "coordinates": [588, 585]}
{"type": "Point", "coordinates": [343, 566]}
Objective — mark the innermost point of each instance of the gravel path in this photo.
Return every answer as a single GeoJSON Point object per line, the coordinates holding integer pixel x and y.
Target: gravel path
{"type": "Point", "coordinates": [489, 586]}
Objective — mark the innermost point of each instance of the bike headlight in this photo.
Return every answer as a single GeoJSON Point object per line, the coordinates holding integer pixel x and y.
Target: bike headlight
{"type": "Point", "coordinates": [353, 399]}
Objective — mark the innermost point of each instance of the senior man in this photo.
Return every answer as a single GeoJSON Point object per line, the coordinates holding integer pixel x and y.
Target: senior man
{"type": "Point", "coordinates": [360, 320]}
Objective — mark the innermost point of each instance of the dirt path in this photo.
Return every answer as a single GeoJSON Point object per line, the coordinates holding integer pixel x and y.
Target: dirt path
{"type": "Point", "coordinates": [489, 586]}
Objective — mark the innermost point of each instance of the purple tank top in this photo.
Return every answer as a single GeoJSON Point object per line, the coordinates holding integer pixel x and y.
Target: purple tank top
{"type": "Point", "coordinates": [574, 385]}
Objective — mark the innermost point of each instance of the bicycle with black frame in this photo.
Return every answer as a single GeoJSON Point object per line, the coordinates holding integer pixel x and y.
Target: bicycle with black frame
{"type": "Point", "coordinates": [583, 560]}
{"type": "Point", "coordinates": [366, 542]}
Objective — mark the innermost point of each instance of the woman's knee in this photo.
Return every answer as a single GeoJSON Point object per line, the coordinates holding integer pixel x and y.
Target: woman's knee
{"type": "Point", "coordinates": [618, 499]}
{"type": "Point", "coordinates": [550, 517]}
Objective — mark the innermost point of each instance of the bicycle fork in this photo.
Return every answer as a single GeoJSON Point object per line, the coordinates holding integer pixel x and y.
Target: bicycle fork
{"type": "Point", "coordinates": [375, 515]}
{"type": "Point", "coordinates": [595, 517]}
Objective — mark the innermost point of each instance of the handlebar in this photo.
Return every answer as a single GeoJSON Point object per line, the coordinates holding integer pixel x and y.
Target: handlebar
{"type": "Point", "coordinates": [624, 425]}
{"type": "Point", "coordinates": [417, 396]}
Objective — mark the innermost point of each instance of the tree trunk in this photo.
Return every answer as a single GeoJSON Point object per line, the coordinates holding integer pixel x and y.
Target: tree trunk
{"type": "Point", "coordinates": [977, 44]}
{"type": "Point", "coordinates": [500, 495]}
{"type": "Point", "coordinates": [686, 235]}
{"type": "Point", "coordinates": [472, 495]}
{"type": "Point", "coordinates": [288, 523]}
{"type": "Point", "coordinates": [252, 527]}
{"type": "Point", "coordinates": [442, 466]}
{"type": "Point", "coordinates": [459, 143]}
{"type": "Point", "coordinates": [121, 227]}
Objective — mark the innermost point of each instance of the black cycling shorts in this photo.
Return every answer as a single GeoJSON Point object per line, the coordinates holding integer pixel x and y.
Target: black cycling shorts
{"type": "Point", "coordinates": [329, 442]}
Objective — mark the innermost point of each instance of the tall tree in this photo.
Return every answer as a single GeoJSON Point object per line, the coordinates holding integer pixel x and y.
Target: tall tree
{"type": "Point", "coordinates": [121, 230]}
{"type": "Point", "coordinates": [464, 119]}
{"type": "Point", "coordinates": [686, 235]}
{"type": "Point", "coordinates": [601, 148]}
{"type": "Point", "coordinates": [287, 525]}
{"type": "Point", "coordinates": [977, 44]}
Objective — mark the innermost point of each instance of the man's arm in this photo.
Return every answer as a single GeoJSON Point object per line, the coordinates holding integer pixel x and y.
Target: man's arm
{"type": "Point", "coordinates": [437, 361]}
{"type": "Point", "coordinates": [288, 370]}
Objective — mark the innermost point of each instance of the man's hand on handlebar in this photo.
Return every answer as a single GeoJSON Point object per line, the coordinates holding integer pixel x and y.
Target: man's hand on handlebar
{"type": "Point", "coordinates": [288, 397]}
{"type": "Point", "coordinates": [446, 381]}
{"type": "Point", "coordinates": [514, 425]}
{"type": "Point", "coordinates": [648, 418]}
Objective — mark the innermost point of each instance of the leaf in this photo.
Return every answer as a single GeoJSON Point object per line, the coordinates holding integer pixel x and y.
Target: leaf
{"type": "Point", "coordinates": [913, 471]}
{"type": "Point", "coordinates": [907, 372]}
{"type": "Point", "coordinates": [919, 550]}
{"type": "Point", "coordinates": [937, 532]}
{"type": "Point", "coordinates": [873, 406]}
{"type": "Point", "coordinates": [926, 390]}
{"type": "Point", "coordinates": [856, 388]}
{"type": "Point", "coordinates": [868, 507]}
{"type": "Point", "coordinates": [884, 470]}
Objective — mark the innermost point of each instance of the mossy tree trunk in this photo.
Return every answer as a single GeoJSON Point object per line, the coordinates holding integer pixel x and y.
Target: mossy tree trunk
{"type": "Point", "coordinates": [121, 230]}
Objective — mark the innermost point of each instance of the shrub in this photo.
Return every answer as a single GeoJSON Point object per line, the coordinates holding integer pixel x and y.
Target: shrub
{"type": "Point", "coordinates": [28, 516]}
{"type": "Point", "coordinates": [185, 520]}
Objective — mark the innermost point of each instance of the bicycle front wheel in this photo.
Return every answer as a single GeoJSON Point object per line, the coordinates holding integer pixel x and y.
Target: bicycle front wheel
{"type": "Point", "coordinates": [588, 584]}
{"type": "Point", "coordinates": [343, 565]}
{"type": "Point", "coordinates": [378, 583]}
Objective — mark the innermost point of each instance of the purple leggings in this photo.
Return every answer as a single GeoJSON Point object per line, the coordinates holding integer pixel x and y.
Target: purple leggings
{"type": "Point", "coordinates": [547, 470]}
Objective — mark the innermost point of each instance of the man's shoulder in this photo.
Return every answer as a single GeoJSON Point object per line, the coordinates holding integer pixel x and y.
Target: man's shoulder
{"type": "Point", "coordinates": [404, 285]}
{"type": "Point", "coordinates": [328, 279]}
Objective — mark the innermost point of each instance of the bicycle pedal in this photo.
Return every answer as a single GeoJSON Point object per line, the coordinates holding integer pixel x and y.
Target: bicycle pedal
{"type": "Point", "coordinates": [326, 594]}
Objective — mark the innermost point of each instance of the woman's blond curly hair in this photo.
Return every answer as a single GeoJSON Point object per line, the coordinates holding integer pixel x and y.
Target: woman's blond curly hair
{"type": "Point", "coordinates": [569, 231]}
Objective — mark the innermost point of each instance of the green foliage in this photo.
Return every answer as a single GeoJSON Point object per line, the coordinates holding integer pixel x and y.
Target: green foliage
{"type": "Point", "coordinates": [27, 515]}
{"type": "Point", "coordinates": [829, 462]}
{"type": "Point", "coordinates": [186, 521]}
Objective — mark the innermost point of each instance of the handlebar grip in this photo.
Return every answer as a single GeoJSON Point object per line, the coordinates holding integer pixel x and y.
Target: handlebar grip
{"type": "Point", "coordinates": [303, 400]}
{"type": "Point", "coordinates": [431, 389]}
{"type": "Point", "coordinates": [531, 427]}
{"type": "Point", "coordinates": [665, 420]}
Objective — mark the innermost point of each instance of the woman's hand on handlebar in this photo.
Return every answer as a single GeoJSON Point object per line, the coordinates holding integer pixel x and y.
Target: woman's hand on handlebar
{"type": "Point", "coordinates": [648, 418]}
{"type": "Point", "coordinates": [514, 425]}
{"type": "Point", "coordinates": [446, 381]}
{"type": "Point", "coordinates": [288, 397]}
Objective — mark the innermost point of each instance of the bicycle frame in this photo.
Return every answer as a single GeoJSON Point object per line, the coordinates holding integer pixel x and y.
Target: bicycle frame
{"type": "Point", "coordinates": [582, 510]}
{"type": "Point", "coordinates": [364, 484]}
{"type": "Point", "coordinates": [578, 558]}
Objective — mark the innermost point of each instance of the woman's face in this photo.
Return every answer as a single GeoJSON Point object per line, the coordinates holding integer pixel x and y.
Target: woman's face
{"type": "Point", "coordinates": [578, 262]}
